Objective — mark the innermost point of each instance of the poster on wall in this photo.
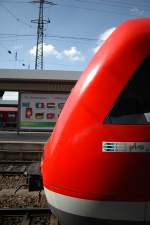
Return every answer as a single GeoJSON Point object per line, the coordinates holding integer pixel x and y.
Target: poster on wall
{"type": "Point", "coordinates": [40, 111]}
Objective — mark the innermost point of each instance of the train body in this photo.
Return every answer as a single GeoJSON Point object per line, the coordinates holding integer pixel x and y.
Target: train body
{"type": "Point", "coordinates": [8, 117]}
{"type": "Point", "coordinates": [96, 165]}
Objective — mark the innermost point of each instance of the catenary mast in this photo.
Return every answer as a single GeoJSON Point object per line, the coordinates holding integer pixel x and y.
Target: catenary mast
{"type": "Point", "coordinates": [40, 33]}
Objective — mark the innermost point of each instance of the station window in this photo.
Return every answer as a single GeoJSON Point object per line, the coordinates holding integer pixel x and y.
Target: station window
{"type": "Point", "coordinates": [1, 115]}
{"type": "Point", "coordinates": [133, 106]}
{"type": "Point", "coordinates": [11, 115]}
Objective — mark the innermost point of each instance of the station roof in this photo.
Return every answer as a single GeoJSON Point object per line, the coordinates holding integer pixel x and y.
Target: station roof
{"type": "Point", "coordinates": [38, 75]}
{"type": "Point", "coordinates": [38, 80]}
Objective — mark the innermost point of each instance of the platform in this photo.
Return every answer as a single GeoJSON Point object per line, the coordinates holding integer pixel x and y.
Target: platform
{"type": "Point", "coordinates": [27, 137]}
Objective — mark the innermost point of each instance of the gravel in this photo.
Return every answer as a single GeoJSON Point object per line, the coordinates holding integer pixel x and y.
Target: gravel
{"type": "Point", "coordinates": [9, 198]}
{"type": "Point", "coordinates": [9, 182]}
{"type": "Point", "coordinates": [22, 199]}
{"type": "Point", "coordinates": [10, 220]}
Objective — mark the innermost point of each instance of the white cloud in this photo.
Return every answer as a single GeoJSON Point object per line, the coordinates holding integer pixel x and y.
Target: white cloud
{"type": "Point", "coordinates": [102, 38]}
{"type": "Point", "coordinates": [48, 50]}
{"type": "Point", "coordinates": [73, 54]}
{"type": "Point", "coordinates": [33, 51]}
{"type": "Point", "coordinates": [136, 11]}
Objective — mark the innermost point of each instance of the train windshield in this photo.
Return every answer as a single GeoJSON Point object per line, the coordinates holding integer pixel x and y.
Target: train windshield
{"type": "Point", "coordinates": [133, 106]}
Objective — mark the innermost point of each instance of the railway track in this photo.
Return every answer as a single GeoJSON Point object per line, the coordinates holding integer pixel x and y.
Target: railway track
{"type": "Point", "coordinates": [13, 168]}
{"type": "Point", "coordinates": [21, 175]}
{"type": "Point", "coordinates": [20, 155]}
{"type": "Point", "coordinates": [19, 161]}
{"type": "Point", "coordinates": [17, 156]}
{"type": "Point", "coordinates": [26, 216]}
{"type": "Point", "coordinates": [21, 151]}
{"type": "Point", "coordinates": [9, 168]}
{"type": "Point", "coordinates": [13, 174]}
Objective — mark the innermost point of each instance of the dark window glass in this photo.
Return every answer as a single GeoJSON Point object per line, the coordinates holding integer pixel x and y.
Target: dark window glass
{"type": "Point", "coordinates": [11, 115]}
{"type": "Point", "coordinates": [1, 117]}
{"type": "Point", "coordinates": [133, 106]}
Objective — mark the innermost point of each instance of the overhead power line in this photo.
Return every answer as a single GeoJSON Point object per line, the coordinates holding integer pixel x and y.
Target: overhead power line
{"type": "Point", "coordinates": [11, 35]}
{"type": "Point", "coordinates": [113, 6]}
{"type": "Point", "coordinates": [115, 2]}
{"type": "Point", "coordinates": [125, 3]}
{"type": "Point", "coordinates": [13, 15]}
{"type": "Point", "coordinates": [131, 9]}
{"type": "Point", "coordinates": [96, 10]}
{"type": "Point", "coordinates": [14, 2]}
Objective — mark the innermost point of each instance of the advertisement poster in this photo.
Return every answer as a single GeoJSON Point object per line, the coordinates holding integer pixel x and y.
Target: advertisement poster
{"type": "Point", "coordinates": [40, 111]}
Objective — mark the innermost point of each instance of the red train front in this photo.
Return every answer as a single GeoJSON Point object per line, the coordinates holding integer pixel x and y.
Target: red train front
{"type": "Point", "coordinates": [96, 165]}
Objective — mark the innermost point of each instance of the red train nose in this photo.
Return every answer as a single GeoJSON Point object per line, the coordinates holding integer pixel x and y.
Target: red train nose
{"type": "Point", "coordinates": [96, 164]}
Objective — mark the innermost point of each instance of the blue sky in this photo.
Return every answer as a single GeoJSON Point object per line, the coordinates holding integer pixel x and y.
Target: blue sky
{"type": "Point", "coordinates": [77, 28]}
{"type": "Point", "coordinates": [75, 18]}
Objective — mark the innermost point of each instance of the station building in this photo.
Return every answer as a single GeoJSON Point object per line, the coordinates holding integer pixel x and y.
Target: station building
{"type": "Point", "coordinates": [42, 95]}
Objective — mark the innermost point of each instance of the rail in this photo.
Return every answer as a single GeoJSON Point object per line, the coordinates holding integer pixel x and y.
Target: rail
{"type": "Point", "coordinates": [25, 216]}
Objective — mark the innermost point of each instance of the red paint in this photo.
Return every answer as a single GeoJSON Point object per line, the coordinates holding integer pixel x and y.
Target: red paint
{"type": "Point", "coordinates": [8, 109]}
{"type": "Point", "coordinates": [28, 113]}
{"type": "Point", "coordinates": [74, 163]}
{"type": "Point", "coordinates": [50, 116]}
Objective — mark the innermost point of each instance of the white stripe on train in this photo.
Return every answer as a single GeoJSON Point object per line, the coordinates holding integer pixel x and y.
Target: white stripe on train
{"type": "Point", "coordinates": [110, 210]}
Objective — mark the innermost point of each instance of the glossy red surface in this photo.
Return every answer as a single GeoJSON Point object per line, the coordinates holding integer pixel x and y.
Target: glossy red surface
{"type": "Point", "coordinates": [74, 163]}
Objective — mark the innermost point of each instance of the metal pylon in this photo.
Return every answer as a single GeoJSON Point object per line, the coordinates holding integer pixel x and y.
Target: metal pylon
{"type": "Point", "coordinates": [40, 33]}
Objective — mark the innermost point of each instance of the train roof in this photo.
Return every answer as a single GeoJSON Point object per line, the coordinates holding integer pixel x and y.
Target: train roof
{"type": "Point", "coordinates": [113, 66]}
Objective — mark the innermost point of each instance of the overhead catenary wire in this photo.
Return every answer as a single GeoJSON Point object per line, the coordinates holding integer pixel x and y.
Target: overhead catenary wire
{"type": "Point", "coordinates": [101, 10]}
{"type": "Point", "coordinates": [50, 36]}
{"type": "Point", "coordinates": [13, 15]}
{"type": "Point", "coordinates": [115, 2]}
{"type": "Point", "coordinates": [61, 37]}
{"type": "Point", "coordinates": [115, 6]}
{"type": "Point", "coordinates": [62, 5]}
{"type": "Point", "coordinates": [14, 2]}
{"type": "Point", "coordinates": [124, 5]}
{"type": "Point", "coordinates": [96, 10]}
